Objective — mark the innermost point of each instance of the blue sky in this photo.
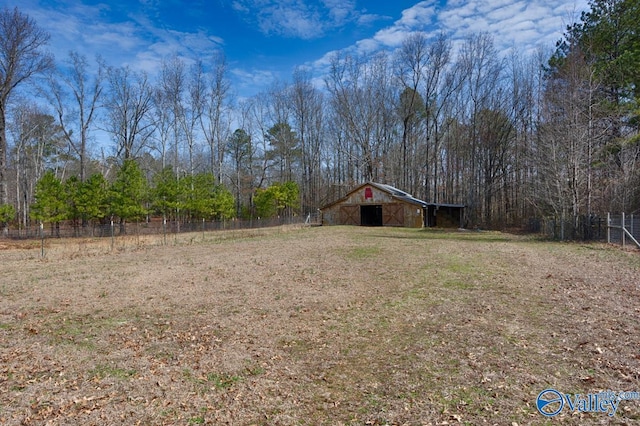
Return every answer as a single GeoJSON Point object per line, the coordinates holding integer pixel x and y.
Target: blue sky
{"type": "Point", "coordinates": [264, 40]}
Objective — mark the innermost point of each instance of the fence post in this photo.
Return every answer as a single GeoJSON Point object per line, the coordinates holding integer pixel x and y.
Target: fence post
{"type": "Point", "coordinates": [42, 239]}
{"type": "Point", "coordinates": [164, 229]}
{"type": "Point", "coordinates": [608, 228]}
{"type": "Point", "coordinates": [623, 229]}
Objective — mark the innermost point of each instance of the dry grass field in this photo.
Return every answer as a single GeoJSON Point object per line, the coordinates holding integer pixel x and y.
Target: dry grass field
{"type": "Point", "coordinates": [315, 326]}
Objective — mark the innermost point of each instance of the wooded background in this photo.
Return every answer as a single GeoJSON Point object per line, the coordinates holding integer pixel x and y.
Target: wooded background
{"type": "Point", "coordinates": [550, 135]}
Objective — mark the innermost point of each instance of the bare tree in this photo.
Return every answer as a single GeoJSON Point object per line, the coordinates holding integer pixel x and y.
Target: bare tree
{"type": "Point", "coordinates": [495, 136]}
{"type": "Point", "coordinates": [482, 67]}
{"type": "Point", "coordinates": [411, 61]}
{"type": "Point", "coordinates": [162, 124]}
{"type": "Point", "coordinates": [260, 119]}
{"type": "Point", "coordinates": [172, 86]}
{"type": "Point", "coordinates": [308, 116]}
{"type": "Point", "coordinates": [38, 145]}
{"type": "Point", "coordinates": [128, 105]}
{"type": "Point", "coordinates": [240, 153]}
{"type": "Point", "coordinates": [213, 120]}
{"type": "Point", "coordinates": [566, 144]}
{"type": "Point", "coordinates": [193, 110]}
{"type": "Point", "coordinates": [247, 181]}
{"type": "Point", "coordinates": [526, 76]}
{"type": "Point", "coordinates": [74, 97]}
{"type": "Point", "coordinates": [21, 57]}
{"type": "Point", "coordinates": [363, 101]}
{"type": "Point", "coordinates": [441, 83]}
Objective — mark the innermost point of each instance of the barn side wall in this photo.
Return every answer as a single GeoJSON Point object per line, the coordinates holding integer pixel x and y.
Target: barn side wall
{"type": "Point", "coordinates": [413, 216]}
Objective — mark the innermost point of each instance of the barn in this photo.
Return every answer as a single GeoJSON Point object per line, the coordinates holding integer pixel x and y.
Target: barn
{"type": "Point", "coordinates": [377, 204]}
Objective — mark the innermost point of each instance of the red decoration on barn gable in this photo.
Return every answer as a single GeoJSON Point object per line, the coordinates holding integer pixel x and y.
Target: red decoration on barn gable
{"type": "Point", "coordinates": [368, 193]}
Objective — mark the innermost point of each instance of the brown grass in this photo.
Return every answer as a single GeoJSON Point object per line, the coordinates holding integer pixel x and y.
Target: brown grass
{"type": "Point", "coordinates": [331, 325]}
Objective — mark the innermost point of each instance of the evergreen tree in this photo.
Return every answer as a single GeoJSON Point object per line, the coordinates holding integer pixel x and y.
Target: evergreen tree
{"type": "Point", "coordinates": [128, 193]}
{"type": "Point", "coordinates": [86, 201]}
{"type": "Point", "coordinates": [207, 200]}
{"type": "Point", "coordinates": [278, 199]}
{"type": "Point", "coordinates": [71, 189]}
{"type": "Point", "coordinates": [608, 37]}
{"type": "Point", "coordinates": [165, 193]}
{"type": "Point", "coordinates": [7, 214]}
{"type": "Point", "coordinates": [599, 60]}
{"type": "Point", "coordinates": [223, 203]}
{"type": "Point", "coordinates": [50, 201]}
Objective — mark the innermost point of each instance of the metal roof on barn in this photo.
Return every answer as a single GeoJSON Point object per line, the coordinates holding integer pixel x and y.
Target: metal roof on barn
{"type": "Point", "coordinates": [397, 193]}
{"type": "Point", "coordinates": [393, 192]}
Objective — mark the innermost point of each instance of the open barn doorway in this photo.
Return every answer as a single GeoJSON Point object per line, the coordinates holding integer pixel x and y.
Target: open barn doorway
{"type": "Point", "coordinates": [371, 215]}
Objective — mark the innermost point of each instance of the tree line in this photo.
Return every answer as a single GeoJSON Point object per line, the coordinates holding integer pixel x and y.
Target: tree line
{"type": "Point", "coordinates": [552, 134]}
{"type": "Point", "coordinates": [130, 198]}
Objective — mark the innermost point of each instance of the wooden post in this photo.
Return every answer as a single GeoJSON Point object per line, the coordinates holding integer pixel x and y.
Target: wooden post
{"type": "Point", "coordinates": [608, 228]}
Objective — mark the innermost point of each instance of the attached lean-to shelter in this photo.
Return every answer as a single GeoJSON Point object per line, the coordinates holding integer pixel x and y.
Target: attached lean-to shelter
{"type": "Point", "coordinates": [377, 204]}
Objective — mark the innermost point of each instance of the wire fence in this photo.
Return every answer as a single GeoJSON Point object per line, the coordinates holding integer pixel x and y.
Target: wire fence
{"type": "Point", "coordinates": [153, 226]}
{"type": "Point", "coordinates": [623, 229]}
{"type": "Point", "coordinates": [584, 228]}
{"type": "Point", "coordinates": [613, 228]}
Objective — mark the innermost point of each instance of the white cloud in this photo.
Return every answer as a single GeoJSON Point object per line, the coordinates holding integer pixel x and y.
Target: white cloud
{"type": "Point", "coordinates": [523, 24]}
{"type": "Point", "coordinates": [323, 62]}
{"type": "Point", "coordinates": [367, 46]}
{"type": "Point", "coordinates": [391, 37]}
{"type": "Point", "coordinates": [527, 24]}
{"type": "Point", "coordinates": [140, 43]}
{"type": "Point", "coordinates": [340, 11]}
{"type": "Point", "coordinates": [137, 42]}
{"type": "Point", "coordinates": [239, 7]}
{"type": "Point", "coordinates": [116, 37]}
{"type": "Point", "coordinates": [69, 28]}
{"type": "Point", "coordinates": [419, 15]}
{"type": "Point", "coordinates": [367, 19]}
{"type": "Point", "coordinates": [297, 18]}
{"type": "Point", "coordinates": [252, 80]}
{"type": "Point", "coordinates": [507, 12]}
{"type": "Point", "coordinates": [416, 18]}
{"type": "Point", "coordinates": [488, 7]}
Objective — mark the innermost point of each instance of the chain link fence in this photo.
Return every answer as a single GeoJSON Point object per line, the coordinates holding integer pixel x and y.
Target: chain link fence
{"type": "Point", "coordinates": [613, 228]}
{"type": "Point", "coordinates": [623, 229]}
